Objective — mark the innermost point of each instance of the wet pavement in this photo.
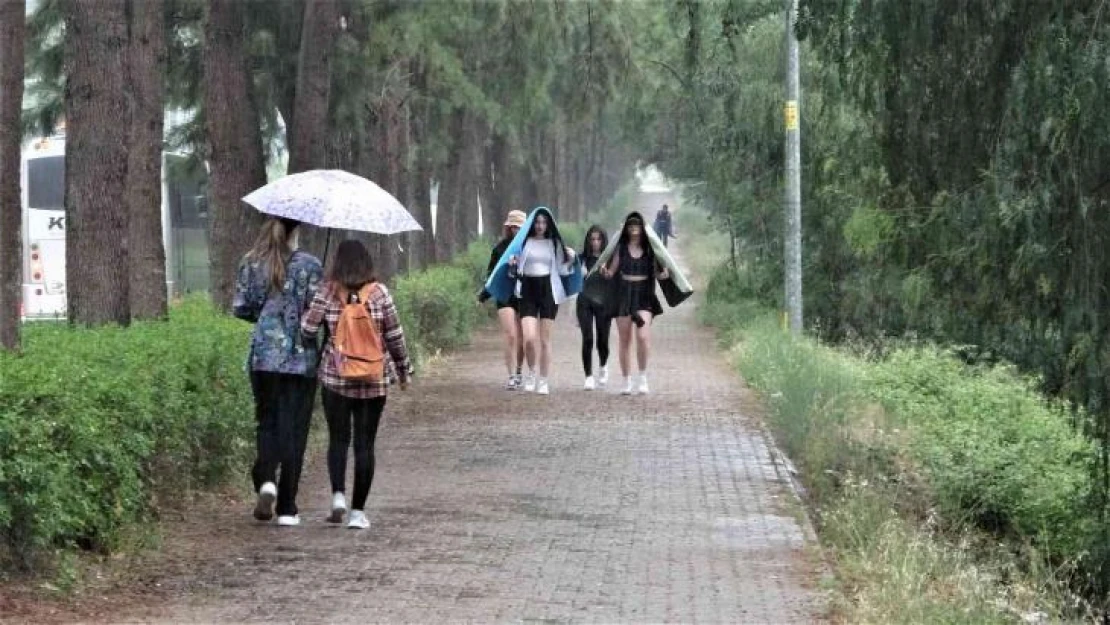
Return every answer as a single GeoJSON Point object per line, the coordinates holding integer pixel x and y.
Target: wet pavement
{"type": "Point", "coordinates": [498, 506]}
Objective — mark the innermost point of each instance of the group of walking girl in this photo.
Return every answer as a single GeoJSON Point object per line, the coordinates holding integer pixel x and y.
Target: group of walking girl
{"type": "Point", "coordinates": [532, 271]}
{"type": "Point", "coordinates": [285, 292]}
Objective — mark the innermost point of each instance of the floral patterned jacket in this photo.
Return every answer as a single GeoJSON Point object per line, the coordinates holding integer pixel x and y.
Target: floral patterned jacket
{"type": "Point", "coordinates": [276, 344]}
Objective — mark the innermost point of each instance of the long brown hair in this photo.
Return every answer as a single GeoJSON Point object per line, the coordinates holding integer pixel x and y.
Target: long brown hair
{"type": "Point", "coordinates": [273, 247]}
{"type": "Point", "coordinates": [352, 266]}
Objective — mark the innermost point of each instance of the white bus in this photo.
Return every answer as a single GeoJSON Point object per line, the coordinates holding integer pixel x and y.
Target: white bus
{"type": "Point", "coordinates": [184, 228]}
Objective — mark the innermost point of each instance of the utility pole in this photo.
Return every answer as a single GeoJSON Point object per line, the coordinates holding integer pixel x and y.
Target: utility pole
{"type": "Point", "coordinates": [793, 198]}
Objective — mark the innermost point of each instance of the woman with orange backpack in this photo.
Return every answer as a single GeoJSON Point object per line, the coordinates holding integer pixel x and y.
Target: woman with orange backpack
{"type": "Point", "coordinates": [364, 353]}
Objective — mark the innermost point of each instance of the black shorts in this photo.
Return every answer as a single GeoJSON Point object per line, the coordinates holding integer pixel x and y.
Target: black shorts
{"type": "Point", "coordinates": [536, 298]}
{"type": "Point", "coordinates": [513, 303]}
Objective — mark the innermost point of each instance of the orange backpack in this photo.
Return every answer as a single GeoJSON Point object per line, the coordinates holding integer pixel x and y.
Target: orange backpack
{"type": "Point", "coordinates": [357, 344]}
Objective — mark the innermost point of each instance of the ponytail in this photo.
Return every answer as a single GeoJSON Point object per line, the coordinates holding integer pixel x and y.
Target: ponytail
{"type": "Point", "coordinates": [272, 249]}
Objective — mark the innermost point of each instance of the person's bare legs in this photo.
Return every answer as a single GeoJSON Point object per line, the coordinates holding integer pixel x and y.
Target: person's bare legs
{"type": "Point", "coordinates": [519, 343]}
{"type": "Point", "coordinates": [531, 329]}
{"type": "Point", "coordinates": [509, 326]}
{"type": "Point", "coordinates": [624, 344]}
{"type": "Point", "coordinates": [643, 341]}
{"type": "Point", "coordinates": [545, 346]}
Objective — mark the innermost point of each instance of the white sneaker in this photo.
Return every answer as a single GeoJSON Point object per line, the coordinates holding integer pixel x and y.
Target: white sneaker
{"type": "Point", "coordinates": [338, 508]}
{"type": "Point", "coordinates": [358, 520]}
{"type": "Point", "coordinates": [589, 385]}
{"type": "Point", "coordinates": [602, 376]}
{"type": "Point", "coordinates": [628, 386]}
{"type": "Point", "coordinates": [513, 383]}
{"type": "Point", "coordinates": [530, 383]}
{"type": "Point", "coordinates": [264, 508]}
{"type": "Point", "coordinates": [542, 388]}
{"type": "Point", "coordinates": [289, 520]}
{"type": "Point", "coordinates": [642, 387]}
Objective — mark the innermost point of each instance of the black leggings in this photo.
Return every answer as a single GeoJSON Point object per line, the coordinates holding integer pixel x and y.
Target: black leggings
{"type": "Point", "coordinates": [283, 411]}
{"type": "Point", "coordinates": [364, 414]}
{"type": "Point", "coordinates": [589, 316]}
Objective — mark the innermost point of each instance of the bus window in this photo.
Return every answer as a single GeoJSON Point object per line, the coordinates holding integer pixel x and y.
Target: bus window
{"type": "Point", "coordinates": [46, 182]}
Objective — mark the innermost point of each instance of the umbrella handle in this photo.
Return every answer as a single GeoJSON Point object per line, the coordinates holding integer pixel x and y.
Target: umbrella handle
{"type": "Point", "coordinates": [327, 244]}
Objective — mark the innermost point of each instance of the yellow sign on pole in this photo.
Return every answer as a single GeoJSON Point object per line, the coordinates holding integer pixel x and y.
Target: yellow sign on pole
{"type": "Point", "coordinates": [790, 114]}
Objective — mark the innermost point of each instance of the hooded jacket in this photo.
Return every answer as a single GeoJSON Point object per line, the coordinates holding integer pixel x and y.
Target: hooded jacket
{"type": "Point", "coordinates": [563, 287]}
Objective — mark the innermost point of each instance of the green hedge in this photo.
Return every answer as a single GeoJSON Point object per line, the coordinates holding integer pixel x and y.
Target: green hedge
{"type": "Point", "coordinates": [94, 424]}
{"type": "Point", "coordinates": [102, 428]}
{"type": "Point", "coordinates": [917, 439]}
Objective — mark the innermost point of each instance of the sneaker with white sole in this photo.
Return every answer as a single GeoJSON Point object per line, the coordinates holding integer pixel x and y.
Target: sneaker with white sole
{"type": "Point", "coordinates": [512, 384]}
{"type": "Point", "coordinates": [628, 386]}
{"type": "Point", "coordinates": [530, 383]}
{"type": "Point", "coordinates": [289, 520]}
{"type": "Point", "coordinates": [358, 520]}
{"type": "Point", "coordinates": [338, 508]}
{"type": "Point", "coordinates": [642, 387]}
{"type": "Point", "coordinates": [589, 384]}
{"type": "Point", "coordinates": [264, 508]}
{"type": "Point", "coordinates": [542, 388]}
{"type": "Point", "coordinates": [602, 376]}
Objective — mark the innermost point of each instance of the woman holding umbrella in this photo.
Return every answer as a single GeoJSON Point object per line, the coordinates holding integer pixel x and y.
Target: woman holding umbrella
{"type": "Point", "coordinates": [276, 283]}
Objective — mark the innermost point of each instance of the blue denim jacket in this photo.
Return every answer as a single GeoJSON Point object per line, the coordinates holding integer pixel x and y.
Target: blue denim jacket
{"type": "Point", "coordinates": [276, 344]}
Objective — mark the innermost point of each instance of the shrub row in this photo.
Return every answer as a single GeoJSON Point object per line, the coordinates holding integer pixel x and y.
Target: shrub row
{"type": "Point", "coordinates": [99, 426]}
{"type": "Point", "coordinates": [947, 447]}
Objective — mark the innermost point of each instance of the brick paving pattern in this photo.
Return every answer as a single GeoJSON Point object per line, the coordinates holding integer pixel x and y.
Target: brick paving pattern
{"type": "Point", "coordinates": [498, 506]}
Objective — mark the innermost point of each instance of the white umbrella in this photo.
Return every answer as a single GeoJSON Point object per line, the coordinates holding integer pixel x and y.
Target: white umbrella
{"type": "Point", "coordinates": [332, 198]}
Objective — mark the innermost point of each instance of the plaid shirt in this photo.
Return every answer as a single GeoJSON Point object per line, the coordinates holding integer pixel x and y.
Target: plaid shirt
{"type": "Point", "coordinates": [327, 306]}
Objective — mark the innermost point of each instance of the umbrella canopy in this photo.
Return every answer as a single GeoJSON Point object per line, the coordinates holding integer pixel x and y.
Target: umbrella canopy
{"type": "Point", "coordinates": [332, 198]}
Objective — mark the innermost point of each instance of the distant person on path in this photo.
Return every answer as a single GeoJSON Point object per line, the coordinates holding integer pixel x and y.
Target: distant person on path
{"type": "Point", "coordinates": [546, 273]}
{"type": "Point", "coordinates": [624, 282]}
{"type": "Point", "coordinates": [664, 224]}
{"type": "Point", "coordinates": [349, 403]}
{"type": "Point", "coordinates": [507, 311]}
{"type": "Point", "coordinates": [275, 284]}
{"type": "Point", "coordinates": [593, 316]}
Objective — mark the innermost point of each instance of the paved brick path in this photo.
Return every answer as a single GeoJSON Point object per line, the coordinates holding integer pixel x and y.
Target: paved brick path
{"type": "Point", "coordinates": [493, 506]}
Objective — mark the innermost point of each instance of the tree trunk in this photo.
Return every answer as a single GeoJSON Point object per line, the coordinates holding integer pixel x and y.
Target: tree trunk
{"type": "Point", "coordinates": [407, 191]}
{"type": "Point", "coordinates": [96, 159]}
{"type": "Point", "coordinates": [235, 144]}
{"type": "Point", "coordinates": [451, 190]}
{"type": "Point", "coordinates": [308, 138]}
{"type": "Point", "coordinates": [308, 130]}
{"type": "Point", "coordinates": [11, 215]}
{"type": "Point", "coordinates": [492, 213]}
{"type": "Point", "coordinates": [466, 204]}
{"type": "Point", "coordinates": [144, 183]}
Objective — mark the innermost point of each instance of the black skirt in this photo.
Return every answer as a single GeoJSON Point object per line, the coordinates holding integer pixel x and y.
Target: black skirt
{"type": "Point", "coordinates": [636, 295]}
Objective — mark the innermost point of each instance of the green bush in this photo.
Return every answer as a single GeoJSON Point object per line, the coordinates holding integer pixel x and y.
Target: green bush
{"type": "Point", "coordinates": [95, 424]}
{"type": "Point", "coordinates": [993, 448]}
{"type": "Point", "coordinates": [920, 466]}
{"type": "Point", "coordinates": [438, 307]}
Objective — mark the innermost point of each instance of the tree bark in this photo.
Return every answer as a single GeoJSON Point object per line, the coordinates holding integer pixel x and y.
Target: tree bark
{"type": "Point", "coordinates": [466, 204]}
{"type": "Point", "coordinates": [492, 213]}
{"type": "Point", "coordinates": [96, 161]}
{"type": "Point", "coordinates": [307, 131]}
{"type": "Point", "coordinates": [235, 144]}
{"type": "Point", "coordinates": [11, 215]}
{"type": "Point", "coordinates": [450, 191]}
{"type": "Point", "coordinates": [144, 186]}
{"type": "Point", "coordinates": [308, 139]}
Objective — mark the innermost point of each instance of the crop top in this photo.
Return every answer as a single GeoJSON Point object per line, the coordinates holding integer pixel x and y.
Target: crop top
{"type": "Point", "coordinates": [641, 266]}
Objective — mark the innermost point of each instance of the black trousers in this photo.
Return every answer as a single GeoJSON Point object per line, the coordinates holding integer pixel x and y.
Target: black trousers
{"type": "Point", "coordinates": [591, 317]}
{"type": "Point", "coordinates": [283, 411]}
{"type": "Point", "coordinates": [345, 414]}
